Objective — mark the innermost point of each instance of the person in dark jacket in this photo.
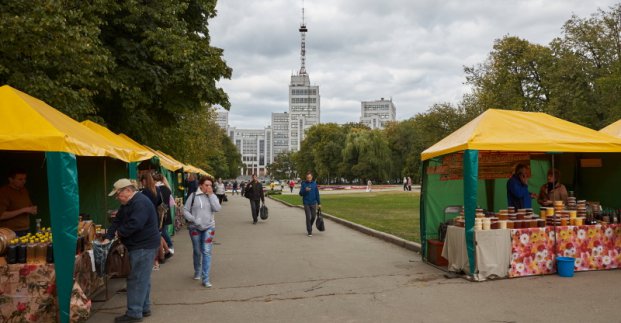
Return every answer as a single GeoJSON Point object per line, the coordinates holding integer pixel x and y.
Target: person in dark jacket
{"type": "Point", "coordinates": [254, 192]}
{"type": "Point", "coordinates": [518, 195]}
{"type": "Point", "coordinates": [136, 225]}
{"type": "Point", "coordinates": [192, 184]}
{"type": "Point", "coordinates": [310, 197]}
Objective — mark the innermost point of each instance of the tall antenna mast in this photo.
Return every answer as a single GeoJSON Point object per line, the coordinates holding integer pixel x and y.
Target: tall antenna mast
{"type": "Point", "coordinates": [303, 31]}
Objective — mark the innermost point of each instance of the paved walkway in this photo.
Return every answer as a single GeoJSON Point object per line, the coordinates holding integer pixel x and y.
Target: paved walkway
{"type": "Point", "coordinates": [273, 272]}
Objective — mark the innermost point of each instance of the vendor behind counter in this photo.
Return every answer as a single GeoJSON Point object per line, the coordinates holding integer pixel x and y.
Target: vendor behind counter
{"type": "Point", "coordinates": [553, 190]}
{"type": "Point", "coordinates": [15, 203]}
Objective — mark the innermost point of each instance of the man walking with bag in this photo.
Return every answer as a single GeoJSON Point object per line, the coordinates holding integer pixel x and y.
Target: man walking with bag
{"type": "Point", "coordinates": [310, 196]}
{"type": "Point", "coordinates": [254, 192]}
{"type": "Point", "coordinates": [136, 224]}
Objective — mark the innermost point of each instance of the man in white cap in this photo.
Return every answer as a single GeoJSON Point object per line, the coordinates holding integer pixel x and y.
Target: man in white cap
{"type": "Point", "coordinates": [136, 224]}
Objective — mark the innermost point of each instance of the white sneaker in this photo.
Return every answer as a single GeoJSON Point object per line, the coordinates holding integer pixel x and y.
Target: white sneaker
{"type": "Point", "coordinates": [171, 250]}
{"type": "Point", "coordinates": [310, 235]}
{"type": "Point", "coordinates": [197, 277]}
{"type": "Point", "coordinates": [207, 285]}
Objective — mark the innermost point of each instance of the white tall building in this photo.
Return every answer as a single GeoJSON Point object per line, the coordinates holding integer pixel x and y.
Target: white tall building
{"type": "Point", "coordinates": [375, 114]}
{"type": "Point", "coordinates": [280, 134]}
{"type": "Point", "coordinates": [222, 119]}
{"type": "Point", "coordinates": [255, 147]}
{"type": "Point", "coordinates": [304, 99]}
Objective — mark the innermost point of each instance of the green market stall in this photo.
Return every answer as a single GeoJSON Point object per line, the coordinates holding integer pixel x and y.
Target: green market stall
{"type": "Point", "coordinates": [470, 168]}
{"type": "Point", "coordinates": [44, 136]}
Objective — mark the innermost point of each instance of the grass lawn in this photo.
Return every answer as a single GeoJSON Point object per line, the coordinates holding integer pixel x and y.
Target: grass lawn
{"type": "Point", "coordinates": [395, 212]}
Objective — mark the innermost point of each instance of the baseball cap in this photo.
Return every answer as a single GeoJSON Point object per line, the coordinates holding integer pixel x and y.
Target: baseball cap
{"type": "Point", "coordinates": [120, 184]}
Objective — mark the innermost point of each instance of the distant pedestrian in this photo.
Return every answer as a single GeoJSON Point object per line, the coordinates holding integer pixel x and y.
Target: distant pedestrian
{"type": "Point", "coordinates": [242, 188]}
{"type": "Point", "coordinates": [272, 185]}
{"type": "Point", "coordinates": [405, 183]}
{"type": "Point", "coordinates": [291, 185]}
{"type": "Point", "coordinates": [199, 212]}
{"type": "Point", "coordinates": [369, 184]}
{"type": "Point", "coordinates": [192, 184]}
{"type": "Point", "coordinates": [220, 190]}
{"type": "Point", "coordinates": [409, 183]}
{"type": "Point", "coordinates": [310, 197]}
{"type": "Point", "coordinates": [235, 184]}
{"type": "Point", "coordinates": [254, 192]}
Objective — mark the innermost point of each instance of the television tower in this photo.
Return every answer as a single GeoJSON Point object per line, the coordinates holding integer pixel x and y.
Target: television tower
{"type": "Point", "coordinates": [303, 31]}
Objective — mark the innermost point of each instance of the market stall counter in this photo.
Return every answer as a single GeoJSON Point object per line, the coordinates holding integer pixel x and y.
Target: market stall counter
{"type": "Point", "coordinates": [492, 252]}
{"type": "Point", "coordinates": [512, 253]}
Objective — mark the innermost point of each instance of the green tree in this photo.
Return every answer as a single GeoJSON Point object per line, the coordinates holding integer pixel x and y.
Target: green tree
{"type": "Point", "coordinates": [366, 155]}
{"type": "Point", "coordinates": [283, 166]}
{"type": "Point", "coordinates": [52, 50]}
{"type": "Point", "coordinates": [513, 77]}
{"type": "Point", "coordinates": [146, 69]}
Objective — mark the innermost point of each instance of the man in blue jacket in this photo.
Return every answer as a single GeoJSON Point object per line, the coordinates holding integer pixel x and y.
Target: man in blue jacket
{"type": "Point", "coordinates": [137, 226]}
{"type": "Point", "coordinates": [310, 197]}
{"type": "Point", "coordinates": [518, 195]}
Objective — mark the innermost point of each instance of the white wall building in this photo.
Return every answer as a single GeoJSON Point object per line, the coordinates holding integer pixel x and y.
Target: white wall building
{"type": "Point", "coordinates": [222, 119]}
{"type": "Point", "coordinates": [280, 134]}
{"type": "Point", "coordinates": [304, 108]}
{"type": "Point", "coordinates": [255, 147]}
{"type": "Point", "coordinates": [375, 114]}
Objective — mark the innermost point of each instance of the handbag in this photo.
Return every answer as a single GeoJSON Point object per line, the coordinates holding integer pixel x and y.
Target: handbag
{"type": "Point", "coordinates": [263, 212]}
{"type": "Point", "coordinates": [162, 210]}
{"type": "Point", "coordinates": [117, 262]}
{"type": "Point", "coordinates": [319, 223]}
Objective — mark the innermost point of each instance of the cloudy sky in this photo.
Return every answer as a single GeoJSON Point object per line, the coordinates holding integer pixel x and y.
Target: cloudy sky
{"type": "Point", "coordinates": [361, 50]}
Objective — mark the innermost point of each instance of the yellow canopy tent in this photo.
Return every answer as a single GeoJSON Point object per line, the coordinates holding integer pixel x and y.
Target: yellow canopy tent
{"type": "Point", "coordinates": [30, 124]}
{"type": "Point", "coordinates": [167, 162]}
{"type": "Point", "coordinates": [194, 169]}
{"type": "Point", "coordinates": [506, 130]}
{"type": "Point", "coordinates": [137, 153]}
{"type": "Point", "coordinates": [613, 129]}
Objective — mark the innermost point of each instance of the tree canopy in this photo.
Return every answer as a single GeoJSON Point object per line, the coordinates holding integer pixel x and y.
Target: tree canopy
{"type": "Point", "coordinates": [146, 69]}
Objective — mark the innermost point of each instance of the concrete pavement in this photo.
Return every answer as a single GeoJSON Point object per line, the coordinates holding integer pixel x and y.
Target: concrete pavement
{"type": "Point", "coordinates": [273, 272]}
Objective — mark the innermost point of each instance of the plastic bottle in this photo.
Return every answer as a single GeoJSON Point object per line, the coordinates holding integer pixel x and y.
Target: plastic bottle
{"type": "Point", "coordinates": [38, 225]}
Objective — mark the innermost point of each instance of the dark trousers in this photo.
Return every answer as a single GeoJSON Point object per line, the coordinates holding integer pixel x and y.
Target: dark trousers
{"type": "Point", "coordinates": [255, 205]}
{"type": "Point", "coordinates": [311, 212]}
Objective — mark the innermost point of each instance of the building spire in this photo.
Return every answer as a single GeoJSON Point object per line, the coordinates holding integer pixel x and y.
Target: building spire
{"type": "Point", "coordinates": [303, 31]}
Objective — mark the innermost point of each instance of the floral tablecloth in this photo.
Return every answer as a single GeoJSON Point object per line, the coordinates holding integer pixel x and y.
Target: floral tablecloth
{"type": "Point", "coordinates": [28, 293]}
{"type": "Point", "coordinates": [595, 247]}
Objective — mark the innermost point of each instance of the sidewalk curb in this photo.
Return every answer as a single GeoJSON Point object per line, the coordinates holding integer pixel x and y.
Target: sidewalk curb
{"type": "Point", "coordinates": [366, 230]}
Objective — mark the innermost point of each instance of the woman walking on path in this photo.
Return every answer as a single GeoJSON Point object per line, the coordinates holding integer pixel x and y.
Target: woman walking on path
{"type": "Point", "coordinates": [220, 190]}
{"type": "Point", "coordinates": [199, 211]}
{"type": "Point", "coordinates": [310, 196]}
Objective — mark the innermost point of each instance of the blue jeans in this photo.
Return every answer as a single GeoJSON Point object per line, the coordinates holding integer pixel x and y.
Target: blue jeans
{"type": "Point", "coordinates": [310, 210]}
{"type": "Point", "coordinates": [139, 281]}
{"type": "Point", "coordinates": [201, 245]}
{"type": "Point", "coordinates": [255, 205]}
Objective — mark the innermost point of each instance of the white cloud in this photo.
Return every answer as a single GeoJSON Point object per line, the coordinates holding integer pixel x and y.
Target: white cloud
{"type": "Point", "coordinates": [412, 52]}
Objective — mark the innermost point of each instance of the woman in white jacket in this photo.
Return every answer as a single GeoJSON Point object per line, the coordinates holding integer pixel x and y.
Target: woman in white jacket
{"type": "Point", "coordinates": [199, 211]}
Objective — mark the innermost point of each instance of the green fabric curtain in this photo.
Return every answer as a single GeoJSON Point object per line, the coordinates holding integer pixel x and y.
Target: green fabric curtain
{"type": "Point", "coordinates": [64, 209]}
